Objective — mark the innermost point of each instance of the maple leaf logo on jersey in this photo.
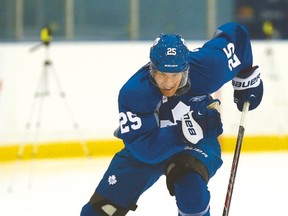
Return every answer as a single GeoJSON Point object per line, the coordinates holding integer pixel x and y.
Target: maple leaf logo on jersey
{"type": "Point", "coordinates": [112, 180]}
{"type": "Point", "coordinates": [177, 112]}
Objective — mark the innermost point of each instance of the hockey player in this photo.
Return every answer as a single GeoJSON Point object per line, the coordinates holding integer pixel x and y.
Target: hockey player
{"type": "Point", "coordinates": [169, 125]}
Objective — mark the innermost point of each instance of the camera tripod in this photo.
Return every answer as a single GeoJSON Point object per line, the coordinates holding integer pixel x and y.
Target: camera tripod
{"type": "Point", "coordinates": [42, 92]}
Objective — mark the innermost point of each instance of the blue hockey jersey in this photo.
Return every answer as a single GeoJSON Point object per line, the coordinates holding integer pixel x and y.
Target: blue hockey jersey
{"type": "Point", "coordinates": [148, 120]}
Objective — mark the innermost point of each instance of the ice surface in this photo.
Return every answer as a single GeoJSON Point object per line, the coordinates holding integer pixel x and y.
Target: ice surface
{"type": "Point", "coordinates": [61, 187]}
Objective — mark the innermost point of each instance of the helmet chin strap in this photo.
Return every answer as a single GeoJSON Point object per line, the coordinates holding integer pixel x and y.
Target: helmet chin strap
{"type": "Point", "coordinates": [184, 89]}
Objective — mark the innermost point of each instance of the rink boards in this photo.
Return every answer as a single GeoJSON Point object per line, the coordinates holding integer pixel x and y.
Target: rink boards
{"type": "Point", "coordinates": [107, 147]}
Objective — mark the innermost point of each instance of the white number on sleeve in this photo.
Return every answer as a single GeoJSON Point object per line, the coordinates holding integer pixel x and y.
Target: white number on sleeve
{"type": "Point", "coordinates": [129, 117]}
{"type": "Point", "coordinates": [233, 60]}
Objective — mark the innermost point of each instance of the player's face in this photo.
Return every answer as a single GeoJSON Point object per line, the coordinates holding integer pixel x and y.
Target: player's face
{"type": "Point", "coordinates": [168, 83]}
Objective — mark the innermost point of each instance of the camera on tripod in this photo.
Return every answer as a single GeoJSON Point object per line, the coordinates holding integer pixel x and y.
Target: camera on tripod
{"type": "Point", "coordinates": [46, 35]}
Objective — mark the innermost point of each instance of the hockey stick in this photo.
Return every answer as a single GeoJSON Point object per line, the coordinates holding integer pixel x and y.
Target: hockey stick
{"type": "Point", "coordinates": [235, 160]}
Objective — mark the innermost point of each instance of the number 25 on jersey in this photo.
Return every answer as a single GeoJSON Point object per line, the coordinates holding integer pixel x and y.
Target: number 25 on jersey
{"type": "Point", "coordinates": [129, 121]}
{"type": "Point", "coordinates": [233, 60]}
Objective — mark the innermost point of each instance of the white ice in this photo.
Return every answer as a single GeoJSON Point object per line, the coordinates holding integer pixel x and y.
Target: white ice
{"type": "Point", "coordinates": [61, 187]}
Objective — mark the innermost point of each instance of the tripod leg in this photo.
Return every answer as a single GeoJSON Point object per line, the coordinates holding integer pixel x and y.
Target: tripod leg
{"type": "Point", "coordinates": [62, 95]}
{"type": "Point", "coordinates": [40, 93]}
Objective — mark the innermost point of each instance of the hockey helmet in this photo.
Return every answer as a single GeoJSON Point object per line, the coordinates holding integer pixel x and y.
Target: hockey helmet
{"type": "Point", "coordinates": [169, 54]}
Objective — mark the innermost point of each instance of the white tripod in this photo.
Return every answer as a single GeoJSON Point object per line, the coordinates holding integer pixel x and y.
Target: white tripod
{"type": "Point", "coordinates": [42, 92]}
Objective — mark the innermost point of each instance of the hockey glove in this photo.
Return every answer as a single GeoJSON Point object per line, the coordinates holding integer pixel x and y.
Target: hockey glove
{"type": "Point", "coordinates": [202, 123]}
{"type": "Point", "coordinates": [248, 86]}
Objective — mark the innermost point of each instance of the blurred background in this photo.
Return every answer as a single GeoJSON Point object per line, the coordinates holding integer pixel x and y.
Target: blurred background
{"type": "Point", "coordinates": [62, 63]}
{"type": "Point", "coordinates": [21, 20]}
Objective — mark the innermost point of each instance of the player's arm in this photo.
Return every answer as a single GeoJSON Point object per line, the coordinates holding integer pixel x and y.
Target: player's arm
{"type": "Point", "coordinates": [234, 41]}
{"type": "Point", "coordinates": [247, 83]}
{"type": "Point", "coordinates": [139, 125]}
{"type": "Point", "coordinates": [149, 143]}
{"type": "Point", "coordinates": [229, 51]}
{"type": "Point", "coordinates": [222, 58]}
{"type": "Point", "coordinates": [144, 138]}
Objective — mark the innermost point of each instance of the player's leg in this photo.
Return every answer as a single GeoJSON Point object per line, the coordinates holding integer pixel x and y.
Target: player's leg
{"type": "Point", "coordinates": [121, 186]}
{"type": "Point", "coordinates": [187, 179]}
{"type": "Point", "coordinates": [88, 210]}
{"type": "Point", "coordinates": [188, 174]}
{"type": "Point", "coordinates": [192, 195]}
{"type": "Point", "coordinates": [99, 206]}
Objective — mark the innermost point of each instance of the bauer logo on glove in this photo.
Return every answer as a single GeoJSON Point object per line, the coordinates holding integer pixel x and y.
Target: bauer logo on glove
{"type": "Point", "coordinates": [204, 122]}
{"type": "Point", "coordinates": [245, 83]}
{"type": "Point", "coordinates": [248, 86]}
{"type": "Point", "coordinates": [191, 129]}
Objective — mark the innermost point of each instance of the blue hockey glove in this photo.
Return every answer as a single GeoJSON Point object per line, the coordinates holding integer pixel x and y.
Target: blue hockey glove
{"type": "Point", "coordinates": [202, 123]}
{"type": "Point", "coordinates": [248, 86]}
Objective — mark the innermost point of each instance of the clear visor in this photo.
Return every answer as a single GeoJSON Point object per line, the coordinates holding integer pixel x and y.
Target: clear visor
{"type": "Point", "coordinates": [183, 80]}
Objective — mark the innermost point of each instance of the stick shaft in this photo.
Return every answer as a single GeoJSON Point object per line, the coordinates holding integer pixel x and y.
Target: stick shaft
{"type": "Point", "coordinates": [235, 160]}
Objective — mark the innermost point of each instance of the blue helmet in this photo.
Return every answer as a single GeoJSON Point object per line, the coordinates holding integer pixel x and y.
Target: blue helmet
{"type": "Point", "coordinates": [169, 53]}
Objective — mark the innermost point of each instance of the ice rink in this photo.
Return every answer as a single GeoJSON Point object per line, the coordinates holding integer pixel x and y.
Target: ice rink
{"type": "Point", "coordinates": [60, 187]}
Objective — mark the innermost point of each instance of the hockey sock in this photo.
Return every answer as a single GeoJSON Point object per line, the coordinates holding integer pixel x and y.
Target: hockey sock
{"type": "Point", "coordinates": [192, 195]}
